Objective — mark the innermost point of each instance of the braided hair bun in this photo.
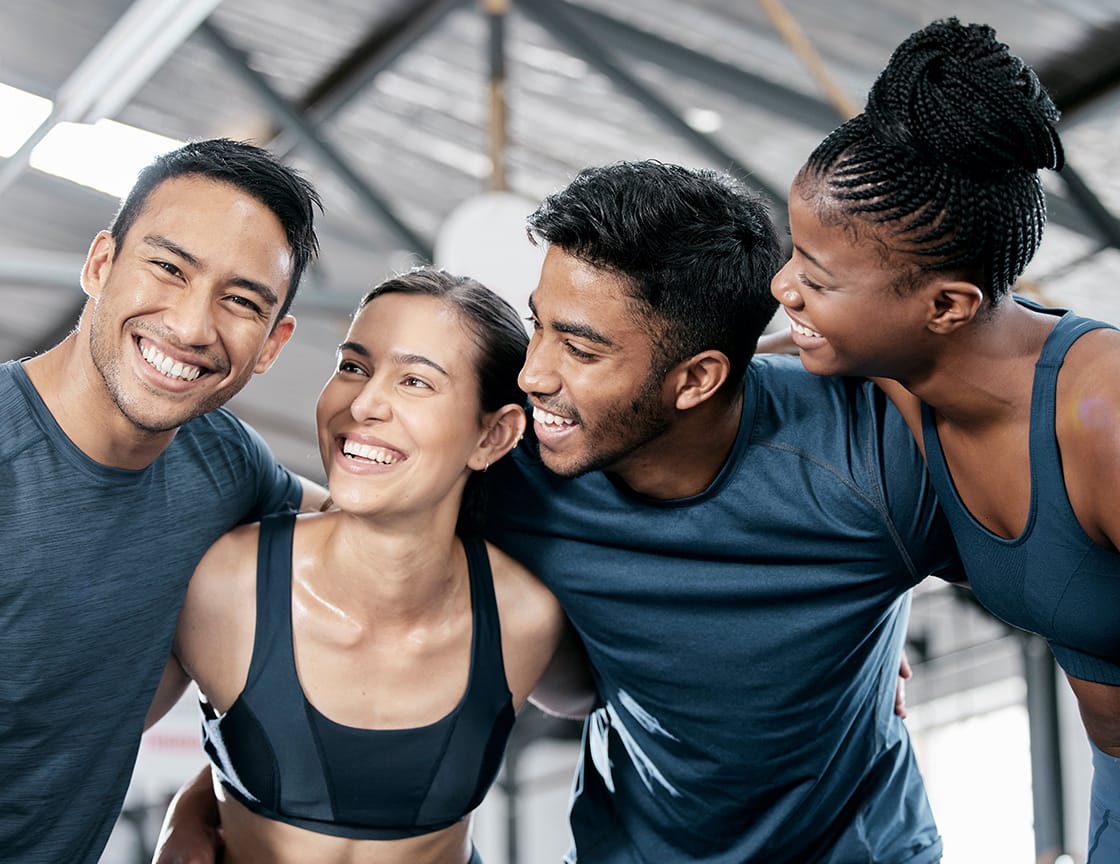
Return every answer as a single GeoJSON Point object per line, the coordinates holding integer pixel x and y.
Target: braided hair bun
{"type": "Point", "coordinates": [945, 157]}
{"type": "Point", "coordinates": [954, 93]}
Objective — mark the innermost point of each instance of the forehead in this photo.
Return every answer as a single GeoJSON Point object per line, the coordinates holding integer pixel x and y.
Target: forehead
{"type": "Point", "coordinates": [225, 228]}
{"type": "Point", "coordinates": [574, 294]}
{"type": "Point", "coordinates": [819, 226]}
{"type": "Point", "coordinates": [407, 323]}
{"type": "Point", "coordinates": [196, 197]}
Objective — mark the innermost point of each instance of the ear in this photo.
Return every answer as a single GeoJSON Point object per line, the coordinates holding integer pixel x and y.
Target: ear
{"type": "Point", "coordinates": [99, 261]}
{"type": "Point", "coordinates": [276, 340]}
{"type": "Point", "coordinates": [504, 429]}
{"type": "Point", "coordinates": [953, 303]}
{"type": "Point", "coordinates": [697, 379]}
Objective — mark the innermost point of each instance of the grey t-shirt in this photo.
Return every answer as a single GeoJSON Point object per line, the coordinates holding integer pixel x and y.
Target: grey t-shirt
{"type": "Point", "coordinates": [94, 563]}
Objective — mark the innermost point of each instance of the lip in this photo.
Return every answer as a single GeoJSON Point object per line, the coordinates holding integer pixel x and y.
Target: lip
{"type": "Point", "coordinates": [803, 340]}
{"type": "Point", "coordinates": [365, 466]}
{"type": "Point", "coordinates": [158, 379]}
{"type": "Point", "coordinates": [551, 435]}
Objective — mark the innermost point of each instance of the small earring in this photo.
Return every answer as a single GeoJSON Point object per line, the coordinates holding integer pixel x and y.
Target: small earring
{"type": "Point", "coordinates": [486, 466]}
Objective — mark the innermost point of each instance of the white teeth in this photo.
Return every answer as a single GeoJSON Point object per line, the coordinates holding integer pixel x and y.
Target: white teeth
{"type": "Point", "coordinates": [365, 451]}
{"type": "Point", "coordinates": [166, 366]}
{"type": "Point", "coordinates": [804, 331]}
{"type": "Point", "coordinates": [547, 418]}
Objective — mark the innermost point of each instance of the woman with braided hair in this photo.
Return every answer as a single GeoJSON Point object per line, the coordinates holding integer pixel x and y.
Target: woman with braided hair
{"type": "Point", "coordinates": [910, 224]}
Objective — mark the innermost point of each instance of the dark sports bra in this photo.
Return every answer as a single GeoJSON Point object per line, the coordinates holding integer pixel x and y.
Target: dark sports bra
{"type": "Point", "coordinates": [283, 759]}
{"type": "Point", "coordinates": [1052, 579]}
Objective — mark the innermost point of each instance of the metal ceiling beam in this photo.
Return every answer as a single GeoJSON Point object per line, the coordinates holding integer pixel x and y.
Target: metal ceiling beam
{"type": "Point", "coordinates": [376, 51]}
{"type": "Point", "coordinates": [291, 118]}
{"type": "Point", "coordinates": [1084, 72]}
{"type": "Point", "coordinates": [1081, 211]}
{"type": "Point", "coordinates": [380, 47]}
{"type": "Point", "coordinates": [120, 64]}
{"type": "Point", "coordinates": [561, 24]}
{"type": "Point", "coordinates": [793, 105]}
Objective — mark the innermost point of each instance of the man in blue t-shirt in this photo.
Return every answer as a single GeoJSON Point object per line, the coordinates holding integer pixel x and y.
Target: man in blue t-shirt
{"type": "Point", "coordinates": [121, 468]}
{"type": "Point", "coordinates": [734, 540]}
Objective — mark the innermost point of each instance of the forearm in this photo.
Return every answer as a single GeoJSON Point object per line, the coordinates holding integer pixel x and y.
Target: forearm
{"type": "Point", "coordinates": [567, 688]}
{"type": "Point", "coordinates": [191, 830]}
{"type": "Point", "coordinates": [170, 690]}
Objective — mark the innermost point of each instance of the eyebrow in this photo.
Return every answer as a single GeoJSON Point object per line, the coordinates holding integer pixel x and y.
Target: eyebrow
{"type": "Point", "coordinates": [811, 259]}
{"type": "Point", "coordinates": [399, 359]}
{"type": "Point", "coordinates": [572, 328]}
{"type": "Point", "coordinates": [258, 288]}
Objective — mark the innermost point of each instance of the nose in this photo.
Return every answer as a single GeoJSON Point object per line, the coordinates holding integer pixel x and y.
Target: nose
{"type": "Point", "coordinates": [190, 316]}
{"type": "Point", "coordinates": [538, 375]}
{"type": "Point", "coordinates": [785, 288]}
{"type": "Point", "coordinates": [371, 403]}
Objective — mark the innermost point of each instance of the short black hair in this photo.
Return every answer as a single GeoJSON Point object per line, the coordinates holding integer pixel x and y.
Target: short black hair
{"type": "Point", "coordinates": [696, 249]}
{"type": "Point", "coordinates": [253, 170]}
{"type": "Point", "coordinates": [947, 154]}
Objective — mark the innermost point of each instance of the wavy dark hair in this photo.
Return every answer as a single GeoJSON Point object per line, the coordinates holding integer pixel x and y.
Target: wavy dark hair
{"type": "Point", "coordinates": [946, 155]}
{"type": "Point", "coordinates": [695, 247]}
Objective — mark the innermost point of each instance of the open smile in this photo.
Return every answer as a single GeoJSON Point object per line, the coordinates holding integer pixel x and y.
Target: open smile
{"type": "Point", "coordinates": [167, 366]}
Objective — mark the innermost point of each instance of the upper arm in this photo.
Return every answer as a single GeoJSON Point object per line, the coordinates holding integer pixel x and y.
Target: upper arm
{"type": "Point", "coordinates": [172, 685]}
{"type": "Point", "coordinates": [567, 688]}
{"type": "Point", "coordinates": [214, 636]}
{"type": "Point", "coordinates": [1088, 428]}
{"type": "Point", "coordinates": [532, 624]}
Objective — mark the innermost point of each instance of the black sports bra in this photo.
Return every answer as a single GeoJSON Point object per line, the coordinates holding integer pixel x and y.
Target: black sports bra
{"type": "Point", "coordinates": [283, 759]}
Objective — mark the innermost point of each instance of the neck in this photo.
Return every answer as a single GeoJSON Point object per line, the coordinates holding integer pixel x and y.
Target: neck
{"type": "Point", "coordinates": [983, 373]}
{"type": "Point", "coordinates": [75, 394]}
{"type": "Point", "coordinates": [391, 569]}
{"type": "Point", "coordinates": [686, 458]}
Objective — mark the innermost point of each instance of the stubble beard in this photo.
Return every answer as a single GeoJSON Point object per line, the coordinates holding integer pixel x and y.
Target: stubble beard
{"type": "Point", "coordinates": [623, 430]}
{"type": "Point", "coordinates": [106, 359]}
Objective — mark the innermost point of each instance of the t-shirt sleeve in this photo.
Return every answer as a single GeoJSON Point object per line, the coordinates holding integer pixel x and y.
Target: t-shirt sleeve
{"type": "Point", "coordinates": [921, 529]}
{"type": "Point", "coordinates": [277, 488]}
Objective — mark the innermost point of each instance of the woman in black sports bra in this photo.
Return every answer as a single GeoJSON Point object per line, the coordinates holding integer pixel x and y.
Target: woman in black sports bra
{"type": "Point", "coordinates": [361, 667]}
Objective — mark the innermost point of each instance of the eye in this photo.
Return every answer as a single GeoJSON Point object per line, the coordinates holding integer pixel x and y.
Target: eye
{"type": "Point", "coordinates": [413, 381]}
{"type": "Point", "coordinates": [239, 300]}
{"type": "Point", "coordinates": [577, 353]}
{"type": "Point", "coordinates": [809, 283]}
{"type": "Point", "coordinates": [167, 267]}
{"type": "Point", "coordinates": [533, 322]}
{"type": "Point", "coordinates": [350, 367]}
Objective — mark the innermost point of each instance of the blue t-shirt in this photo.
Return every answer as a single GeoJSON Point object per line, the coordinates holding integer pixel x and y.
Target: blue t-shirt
{"type": "Point", "coordinates": [746, 640]}
{"type": "Point", "coordinates": [94, 565]}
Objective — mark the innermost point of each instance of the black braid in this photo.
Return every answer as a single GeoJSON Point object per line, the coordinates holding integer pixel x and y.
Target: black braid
{"type": "Point", "coordinates": [947, 154]}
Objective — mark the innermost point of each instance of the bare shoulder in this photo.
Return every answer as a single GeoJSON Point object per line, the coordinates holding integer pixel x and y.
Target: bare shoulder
{"type": "Point", "coordinates": [227, 570]}
{"type": "Point", "coordinates": [1087, 422]}
{"type": "Point", "coordinates": [214, 637]}
{"type": "Point", "coordinates": [1089, 391]}
{"type": "Point", "coordinates": [532, 623]}
{"type": "Point", "coordinates": [525, 597]}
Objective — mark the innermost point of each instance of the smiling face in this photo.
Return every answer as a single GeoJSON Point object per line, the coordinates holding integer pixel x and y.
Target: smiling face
{"type": "Point", "coordinates": [400, 421]}
{"type": "Point", "coordinates": [183, 312]}
{"type": "Point", "coordinates": [839, 289]}
{"type": "Point", "coordinates": [589, 370]}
